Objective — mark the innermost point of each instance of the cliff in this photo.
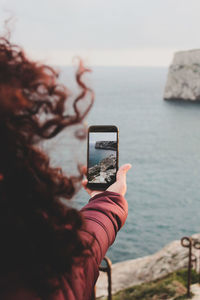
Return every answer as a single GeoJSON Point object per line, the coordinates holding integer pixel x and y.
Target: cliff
{"type": "Point", "coordinates": [104, 171]}
{"type": "Point", "coordinates": [136, 271]}
{"type": "Point", "coordinates": [183, 81]}
{"type": "Point", "coordinates": [107, 145]}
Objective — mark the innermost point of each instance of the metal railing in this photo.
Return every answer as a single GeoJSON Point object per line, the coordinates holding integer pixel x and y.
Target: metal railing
{"type": "Point", "coordinates": [107, 269]}
{"type": "Point", "coordinates": [193, 262]}
{"type": "Point", "coordinates": [188, 242]}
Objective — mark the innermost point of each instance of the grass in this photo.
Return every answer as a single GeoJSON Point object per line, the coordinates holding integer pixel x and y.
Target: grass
{"type": "Point", "coordinates": [172, 286]}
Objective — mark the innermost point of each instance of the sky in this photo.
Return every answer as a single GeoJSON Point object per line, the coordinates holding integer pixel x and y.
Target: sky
{"type": "Point", "coordinates": [105, 136]}
{"type": "Point", "coordinates": [104, 32]}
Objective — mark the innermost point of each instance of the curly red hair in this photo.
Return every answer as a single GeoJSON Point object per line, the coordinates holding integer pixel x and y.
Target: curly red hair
{"type": "Point", "coordinates": [40, 238]}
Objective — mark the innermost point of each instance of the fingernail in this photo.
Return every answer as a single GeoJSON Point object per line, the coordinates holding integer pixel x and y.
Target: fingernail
{"type": "Point", "coordinates": [128, 166]}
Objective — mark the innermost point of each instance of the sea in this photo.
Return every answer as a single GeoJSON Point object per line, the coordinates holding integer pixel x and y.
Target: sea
{"type": "Point", "coordinates": [96, 155]}
{"type": "Point", "coordinates": [161, 139]}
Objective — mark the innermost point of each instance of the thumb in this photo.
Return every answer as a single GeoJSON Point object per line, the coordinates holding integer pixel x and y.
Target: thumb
{"type": "Point", "coordinates": [121, 174]}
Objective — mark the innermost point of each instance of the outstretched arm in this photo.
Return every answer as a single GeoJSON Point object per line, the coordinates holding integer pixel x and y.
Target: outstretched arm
{"type": "Point", "coordinates": [105, 214]}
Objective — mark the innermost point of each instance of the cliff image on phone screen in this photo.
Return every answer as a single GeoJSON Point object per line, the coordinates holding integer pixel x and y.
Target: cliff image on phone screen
{"type": "Point", "coordinates": [102, 157]}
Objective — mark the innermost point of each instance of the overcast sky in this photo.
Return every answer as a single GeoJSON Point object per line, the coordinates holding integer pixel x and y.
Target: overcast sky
{"type": "Point", "coordinates": [104, 32]}
{"type": "Point", "coordinates": [102, 136]}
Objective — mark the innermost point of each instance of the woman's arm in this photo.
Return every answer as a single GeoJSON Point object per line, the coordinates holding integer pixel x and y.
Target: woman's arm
{"type": "Point", "coordinates": [104, 215]}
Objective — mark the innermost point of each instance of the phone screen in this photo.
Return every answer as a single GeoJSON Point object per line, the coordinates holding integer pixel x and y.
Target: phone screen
{"type": "Point", "coordinates": [102, 157]}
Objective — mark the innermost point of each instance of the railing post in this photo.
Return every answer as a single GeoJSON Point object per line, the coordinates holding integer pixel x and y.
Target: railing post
{"type": "Point", "coordinates": [196, 245]}
{"type": "Point", "coordinates": [194, 260]}
{"type": "Point", "coordinates": [108, 270]}
{"type": "Point", "coordinates": [187, 243]}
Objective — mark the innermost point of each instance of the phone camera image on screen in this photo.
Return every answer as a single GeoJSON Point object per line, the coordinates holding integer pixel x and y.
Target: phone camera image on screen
{"type": "Point", "coordinates": [102, 160]}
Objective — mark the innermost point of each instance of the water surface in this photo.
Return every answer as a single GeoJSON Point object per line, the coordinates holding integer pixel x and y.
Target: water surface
{"type": "Point", "coordinates": [161, 140]}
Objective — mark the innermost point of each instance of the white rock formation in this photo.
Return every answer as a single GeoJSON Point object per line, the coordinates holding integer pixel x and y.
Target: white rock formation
{"type": "Point", "coordinates": [183, 81]}
{"type": "Point", "coordinates": [132, 272]}
{"type": "Point", "coordinates": [195, 289]}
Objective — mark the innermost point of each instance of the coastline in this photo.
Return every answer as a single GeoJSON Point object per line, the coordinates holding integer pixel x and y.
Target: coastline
{"type": "Point", "coordinates": [136, 271]}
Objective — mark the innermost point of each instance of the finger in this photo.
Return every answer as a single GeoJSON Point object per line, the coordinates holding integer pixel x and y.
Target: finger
{"type": "Point", "coordinates": [121, 174]}
{"type": "Point", "coordinates": [84, 170]}
{"type": "Point", "coordinates": [84, 184]}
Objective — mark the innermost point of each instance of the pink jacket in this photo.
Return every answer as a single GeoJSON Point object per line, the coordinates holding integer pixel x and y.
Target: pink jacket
{"type": "Point", "coordinates": [104, 215]}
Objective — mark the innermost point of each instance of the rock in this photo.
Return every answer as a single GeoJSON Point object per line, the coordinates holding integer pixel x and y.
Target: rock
{"type": "Point", "coordinates": [183, 81]}
{"type": "Point", "coordinates": [103, 172]}
{"type": "Point", "coordinates": [107, 145]}
{"type": "Point", "coordinates": [94, 172]}
{"type": "Point", "coordinates": [108, 163]}
{"type": "Point", "coordinates": [196, 291]}
{"type": "Point", "coordinates": [136, 271]}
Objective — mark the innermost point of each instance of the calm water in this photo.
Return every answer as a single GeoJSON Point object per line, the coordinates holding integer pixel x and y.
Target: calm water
{"type": "Point", "coordinates": [162, 142]}
{"type": "Point", "coordinates": [96, 155]}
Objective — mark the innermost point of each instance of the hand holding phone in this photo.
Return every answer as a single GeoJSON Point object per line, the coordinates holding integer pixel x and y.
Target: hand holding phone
{"type": "Point", "coordinates": [118, 187]}
{"type": "Point", "coordinates": [102, 162]}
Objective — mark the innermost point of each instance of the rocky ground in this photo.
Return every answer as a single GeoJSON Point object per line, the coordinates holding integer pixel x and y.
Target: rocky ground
{"type": "Point", "coordinates": [104, 171]}
{"type": "Point", "coordinates": [171, 287]}
{"type": "Point", "coordinates": [133, 272]}
{"type": "Point", "coordinates": [195, 288]}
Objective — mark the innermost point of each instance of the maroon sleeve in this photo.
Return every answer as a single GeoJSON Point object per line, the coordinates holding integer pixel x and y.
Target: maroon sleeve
{"type": "Point", "coordinates": [104, 215]}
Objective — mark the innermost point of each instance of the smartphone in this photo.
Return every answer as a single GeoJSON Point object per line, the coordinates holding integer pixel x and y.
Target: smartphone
{"type": "Point", "coordinates": [102, 156]}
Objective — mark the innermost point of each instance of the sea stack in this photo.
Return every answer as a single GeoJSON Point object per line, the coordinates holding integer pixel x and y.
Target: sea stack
{"type": "Point", "coordinates": [106, 145]}
{"type": "Point", "coordinates": [183, 81]}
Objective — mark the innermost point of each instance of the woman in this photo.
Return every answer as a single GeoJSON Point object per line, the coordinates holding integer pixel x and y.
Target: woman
{"type": "Point", "coordinates": [48, 250]}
